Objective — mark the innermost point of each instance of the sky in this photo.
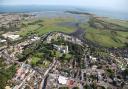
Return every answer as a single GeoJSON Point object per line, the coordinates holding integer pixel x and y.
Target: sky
{"type": "Point", "coordinates": [118, 5]}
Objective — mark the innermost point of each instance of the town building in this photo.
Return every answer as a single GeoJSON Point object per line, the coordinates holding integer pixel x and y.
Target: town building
{"type": "Point", "coordinates": [61, 48]}
{"type": "Point", "coordinates": [11, 36]}
{"type": "Point", "coordinates": [62, 80]}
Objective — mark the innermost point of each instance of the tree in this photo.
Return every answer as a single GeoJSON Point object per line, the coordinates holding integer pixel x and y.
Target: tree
{"type": "Point", "coordinates": [63, 88]}
{"type": "Point", "coordinates": [75, 88]}
{"type": "Point", "coordinates": [5, 75]}
{"type": "Point", "coordinates": [110, 72]}
{"type": "Point", "coordinates": [87, 87]}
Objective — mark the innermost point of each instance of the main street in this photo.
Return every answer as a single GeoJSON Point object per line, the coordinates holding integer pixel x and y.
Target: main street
{"type": "Point", "coordinates": [43, 82]}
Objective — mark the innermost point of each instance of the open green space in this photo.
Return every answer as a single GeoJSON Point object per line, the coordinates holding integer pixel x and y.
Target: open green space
{"type": "Point", "coordinates": [35, 60]}
{"type": "Point", "coordinates": [106, 37]}
{"type": "Point", "coordinates": [103, 31]}
{"type": "Point", "coordinates": [115, 21]}
{"type": "Point", "coordinates": [41, 27]}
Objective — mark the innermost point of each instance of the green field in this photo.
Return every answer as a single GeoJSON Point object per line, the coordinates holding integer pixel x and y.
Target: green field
{"type": "Point", "coordinates": [115, 21]}
{"type": "Point", "coordinates": [46, 25]}
{"type": "Point", "coordinates": [105, 37]}
{"type": "Point", "coordinates": [114, 36]}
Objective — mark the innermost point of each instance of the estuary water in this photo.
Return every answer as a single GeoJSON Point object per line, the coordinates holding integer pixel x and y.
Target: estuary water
{"type": "Point", "coordinates": [33, 8]}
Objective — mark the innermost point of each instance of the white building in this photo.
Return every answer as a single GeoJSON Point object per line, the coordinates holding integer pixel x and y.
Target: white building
{"type": "Point", "coordinates": [11, 36]}
{"type": "Point", "coordinates": [126, 60]}
{"type": "Point", "coordinates": [14, 37]}
{"type": "Point", "coordinates": [93, 58]}
{"type": "Point", "coordinates": [35, 38]}
{"type": "Point", "coordinates": [62, 80]}
{"type": "Point", "coordinates": [61, 48]}
{"type": "Point", "coordinates": [2, 40]}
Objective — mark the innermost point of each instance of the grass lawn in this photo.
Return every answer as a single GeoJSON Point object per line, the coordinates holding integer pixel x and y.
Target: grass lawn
{"type": "Point", "coordinates": [35, 60]}
{"type": "Point", "coordinates": [45, 64]}
{"type": "Point", "coordinates": [58, 54]}
{"type": "Point", "coordinates": [68, 56]}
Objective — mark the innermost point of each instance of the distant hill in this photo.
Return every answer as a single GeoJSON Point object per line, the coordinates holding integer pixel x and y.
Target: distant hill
{"type": "Point", "coordinates": [76, 12]}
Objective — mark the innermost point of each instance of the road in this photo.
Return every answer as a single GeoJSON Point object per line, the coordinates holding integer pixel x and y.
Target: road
{"type": "Point", "coordinates": [43, 82]}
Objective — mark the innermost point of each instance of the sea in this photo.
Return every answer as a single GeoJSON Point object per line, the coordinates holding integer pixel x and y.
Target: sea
{"type": "Point", "coordinates": [33, 8]}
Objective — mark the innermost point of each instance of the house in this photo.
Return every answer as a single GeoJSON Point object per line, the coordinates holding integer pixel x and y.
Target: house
{"type": "Point", "coordinates": [126, 60]}
{"type": "Point", "coordinates": [93, 58]}
{"type": "Point", "coordinates": [8, 87]}
{"type": "Point", "coordinates": [2, 40]}
{"type": "Point", "coordinates": [49, 38]}
{"type": "Point", "coordinates": [94, 67]}
{"type": "Point", "coordinates": [35, 38]}
{"type": "Point", "coordinates": [70, 82]}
